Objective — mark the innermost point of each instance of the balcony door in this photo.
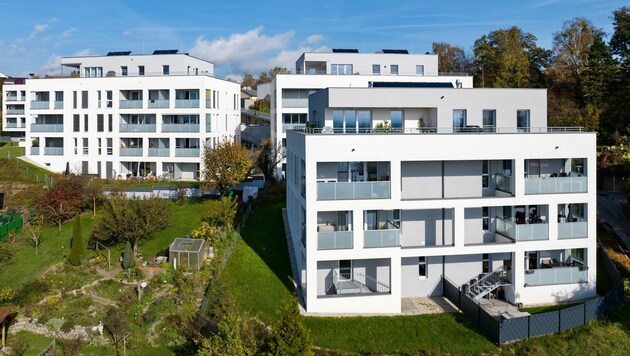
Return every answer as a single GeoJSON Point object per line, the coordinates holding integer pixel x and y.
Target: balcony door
{"type": "Point", "coordinates": [345, 269]}
{"type": "Point", "coordinates": [459, 119]}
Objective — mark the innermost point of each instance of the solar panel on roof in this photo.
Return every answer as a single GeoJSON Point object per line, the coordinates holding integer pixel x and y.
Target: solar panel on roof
{"type": "Point", "coordinates": [396, 51]}
{"type": "Point", "coordinates": [345, 50]}
{"type": "Point", "coordinates": [165, 51]}
{"type": "Point", "coordinates": [119, 53]}
{"type": "Point", "coordinates": [411, 85]}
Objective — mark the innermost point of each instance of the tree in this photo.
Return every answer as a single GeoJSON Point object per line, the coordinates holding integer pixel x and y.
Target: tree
{"type": "Point", "coordinates": [225, 166]}
{"type": "Point", "coordinates": [131, 220]}
{"type": "Point", "coordinates": [268, 158]}
{"type": "Point", "coordinates": [115, 322]}
{"type": "Point", "coordinates": [77, 244]}
{"type": "Point", "coordinates": [248, 81]}
{"type": "Point", "coordinates": [72, 345]}
{"type": "Point", "coordinates": [509, 59]}
{"type": "Point", "coordinates": [93, 194]}
{"type": "Point", "coordinates": [290, 336]}
{"type": "Point", "coordinates": [34, 227]}
{"type": "Point", "coordinates": [620, 40]}
{"type": "Point", "coordinates": [451, 58]}
{"type": "Point", "coordinates": [129, 261]}
{"type": "Point", "coordinates": [237, 335]}
{"type": "Point", "coordinates": [61, 202]}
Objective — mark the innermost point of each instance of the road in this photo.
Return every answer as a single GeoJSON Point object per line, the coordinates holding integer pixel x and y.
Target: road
{"type": "Point", "coordinates": [609, 209]}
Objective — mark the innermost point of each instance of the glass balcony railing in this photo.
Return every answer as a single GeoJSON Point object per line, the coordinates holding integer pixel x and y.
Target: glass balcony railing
{"type": "Point", "coordinates": [40, 104]}
{"type": "Point", "coordinates": [381, 238]}
{"type": "Point", "coordinates": [46, 127]}
{"type": "Point", "coordinates": [12, 98]}
{"type": "Point", "coordinates": [34, 151]}
{"type": "Point", "coordinates": [159, 104]}
{"type": "Point", "coordinates": [552, 185]}
{"type": "Point", "coordinates": [208, 127]}
{"type": "Point", "coordinates": [291, 127]}
{"type": "Point", "coordinates": [130, 104]}
{"type": "Point", "coordinates": [503, 183]}
{"type": "Point", "coordinates": [131, 151]}
{"type": "Point", "coordinates": [522, 232]}
{"type": "Point", "coordinates": [180, 127]}
{"type": "Point", "coordinates": [353, 190]}
{"type": "Point", "coordinates": [187, 103]}
{"type": "Point", "coordinates": [333, 240]}
{"type": "Point", "coordinates": [58, 105]}
{"type": "Point", "coordinates": [556, 275]}
{"type": "Point", "coordinates": [136, 128]}
{"type": "Point", "coordinates": [295, 103]}
{"type": "Point", "coordinates": [159, 152]}
{"type": "Point", "coordinates": [53, 151]}
{"type": "Point", "coordinates": [186, 152]}
{"type": "Point", "coordinates": [208, 104]}
{"type": "Point", "coordinates": [573, 230]}
{"type": "Point", "coordinates": [11, 125]}
{"type": "Point", "coordinates": [15, 111]}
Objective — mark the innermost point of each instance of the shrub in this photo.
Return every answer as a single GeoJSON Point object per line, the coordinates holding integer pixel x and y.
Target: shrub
{"type": "Point", "coordinates": [290, 336]}
{"type": "Point", "coordinates": [6, 253]}
{"type": "Point", "coordinates": [149, 317]}
{"type": "Point", "coordinates": [31, 291]}
{"type": "Point", "coordinates": [129, 260]}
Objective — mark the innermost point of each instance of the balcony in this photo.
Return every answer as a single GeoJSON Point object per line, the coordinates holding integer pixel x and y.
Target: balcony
{"type": "Point", "coordinates": [208, 104]}
{"type": "Point", "coordinates": [130, 104]}
{"type": "Point", "coordinates": [295, 103]}
{"type": "Point", "coordinates": [334, 240]}
{"type": "Point", "coordinates": [159, 104]}
{"type": "Point", "coordinates": [187, 103]}
{"type": "Point", "coordinates": [573, 230]}
{"type": "Point", "coordinates": [15, 111]}
{"type": "Point", "coordinates": [186, 152]}
{"type": "Point", "coordinates": [12, 98]}
{"type": "Point", "coordinates": [292, 127]}
{"type": "Point", "coordinates": [552, 185]}
{"type": "Point", "coordinates": [180, 127]}
{"type": "Point", "coordinates": [11, 125]}
{"type": "Point", "coordinates": [522, 232]}
{"type": "Point", "coordinates": [159, 152]}
{"type": "Point", "coordinates": [208, 127]}
{"type": "Point", "coordinates": [503, 183]}
{"type": "Point", "coordinates": [58, 105]}
{"type": "Point", "coordinates": [53, 151]}
{"type": "Point", "coordinates": [40, 105]}
{"type": "Point", "coordinates": [131, 151]}
{"type": "Point", "coordinates": [34, 151]}
{"type": "Point", "coordinates": [46, 127]}
{"type": "Point", "coordinates": [353, 190]}
{"type": "Point", "coordinates": [555, 275]}
{"type": "Point", "coordinates": [381, 238]}
{"type": "Point", "coordinates": [136, 128]}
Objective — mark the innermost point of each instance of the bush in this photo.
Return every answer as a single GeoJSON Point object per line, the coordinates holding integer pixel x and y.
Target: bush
{"type": "Point", "coordinates": [290, 336]}
{"type": "Point", "coordinates": [30, 292]}
{"type": "Point", "coordinates": [149, 317]}
{"type": "Point", "coordinates": [6, 253]}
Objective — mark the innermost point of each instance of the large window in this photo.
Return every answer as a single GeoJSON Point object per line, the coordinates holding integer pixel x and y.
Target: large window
{"type": "Point", "coordinates": [393, 69]}
{"type": "Point", "coordinates": [422, 267]}
{"type": "Point", "coordinates": [294, 118]}
{"type": "Point", "coordinates": [341, 68]}
{"type": "Point", "coordinates": [396, 117]}
{"type": "Point", "coordinates": [92, 72]}
{"type": "Point", "coordinates": [489, 120]}
{"type": "Point", "coordinates": [419, 70]}
{"type": "Point", "coordinates": [522, 120]}
{"type": "Point", "coordinates": [350, 121]}
{"type": "Point", "coordinates": [376, 69]}
{"type": "Point", "coordinates": [459, 119]}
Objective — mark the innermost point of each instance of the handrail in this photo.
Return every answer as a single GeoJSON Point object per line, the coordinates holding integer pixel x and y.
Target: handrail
{"type": "Point", "coordinates": [447, 130]}
{"type": "Point", "coordinates": [361, 279]}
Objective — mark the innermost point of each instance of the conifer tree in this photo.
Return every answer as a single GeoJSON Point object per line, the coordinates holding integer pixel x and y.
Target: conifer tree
{"type": "Point", "coordinates": [290, 336]}
{"type": "Point", "coordinates": [77, 244]}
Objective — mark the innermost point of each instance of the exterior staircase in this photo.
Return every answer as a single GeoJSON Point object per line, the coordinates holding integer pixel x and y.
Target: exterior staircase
{"type": "Point", "coordinates": [486, 284]}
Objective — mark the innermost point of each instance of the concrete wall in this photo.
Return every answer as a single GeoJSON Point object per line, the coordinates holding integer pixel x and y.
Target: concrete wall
{"type": "Point", "coordinates": [462, 179]}
{"type": "Point", "coordinates": [421, 180]}
{"type": "Point", "coordinates": [415, 286]}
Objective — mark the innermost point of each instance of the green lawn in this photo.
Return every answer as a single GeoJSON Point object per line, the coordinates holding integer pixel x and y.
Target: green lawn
{"type": "Point", "coordinates": [11, 150]}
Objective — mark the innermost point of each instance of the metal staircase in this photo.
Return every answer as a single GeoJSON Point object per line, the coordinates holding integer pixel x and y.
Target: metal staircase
{"type": "Point", "coordinates": [486, 284]}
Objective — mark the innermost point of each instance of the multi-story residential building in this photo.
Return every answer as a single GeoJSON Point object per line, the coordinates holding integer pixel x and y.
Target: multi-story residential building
{"type": "Point", "coordinates": [464, 184]}
{"type": "Point", "coordinates": [13, 112]}
{"type": "Point", "coordinates": [124, 115]}
{"type": "Point", "coordinates": [346, 68]}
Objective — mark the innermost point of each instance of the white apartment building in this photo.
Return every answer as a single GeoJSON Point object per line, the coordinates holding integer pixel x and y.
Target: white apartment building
{"type": "Point", "coordinates": [346, 68]}
{"type": "Point", "coordinates": [481, 192]}
{"type": "Point", "coordinates": [13, 113]}
{"type": "Point", "coordinates": [124, 115]}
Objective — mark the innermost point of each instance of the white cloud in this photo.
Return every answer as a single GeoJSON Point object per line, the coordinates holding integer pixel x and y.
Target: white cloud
{"type": "Point", "coordinates": [252, 51]}
{"type": "Point", "coordinates": [68, 32]}
{"type": "Point", "coordinates": [37, 29]}
{"type": "Point", "coordinates": [315, 39]}
{"type": "Point", "coordinates": [53, 64]}
{"type": "Point", "coordinates": [127, 33]}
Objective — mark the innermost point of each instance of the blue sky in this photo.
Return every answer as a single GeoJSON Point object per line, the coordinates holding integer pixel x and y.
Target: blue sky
{"type": "Point", "coordinates": [252, 36]}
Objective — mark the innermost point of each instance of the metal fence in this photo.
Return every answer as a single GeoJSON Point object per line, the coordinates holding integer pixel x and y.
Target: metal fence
{"type": "Point", "coordinates": [10, 223]}
{"type": "Point", "coordinates": [501, 330]}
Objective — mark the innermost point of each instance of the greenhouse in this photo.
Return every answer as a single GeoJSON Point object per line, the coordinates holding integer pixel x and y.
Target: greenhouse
{"type": "Point", "coordinates": [188, 253]}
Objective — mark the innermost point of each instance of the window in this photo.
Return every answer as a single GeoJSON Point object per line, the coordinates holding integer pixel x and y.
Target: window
{"type": "Point", "coordinates": [110, 144]}
{"type": "Point", "coordinates": [85, 123]}
{"type": "Point", "coordinates": [485, 174]}
{"type": "Point", "coordinates": [76, 145]}
{"type": "Point", "coordinates": [489, 120]}
{"type": "Point", "coordinates": [99, 97]}
{"type": "Point", "coordinates": [93, 72]}
{"type": "Point", "coordinates": [99, 146]}
{"type": "Point", "coordinates": [459, 119]}
{"type": "Point", "coordinates": [376, 69]}
{"type": "Point", "coordinates": [352, 121]}
{"type": "Point", "coordinates": [396, 117]}
{"type": "Point", "coordinates": [76, 124]}
{"type": "Point", "coordinates": [341, 69]}
{"type": "Point", "coordinates": [345, 269]}
{"type": "Point", "coordinates": [485, 218]}
{"type": "Point", "coordinates": [165, 69]}
{"type": "Point", "coordinates": [123, 71]}
{"type": "Point", "coordinates": [485, 263]}
{"type": "Point", "coordinates": [109, 98]}
{"type": "Point", "coordinates": [100, 122]}
{"type": "Point", "coordinates": [74, 100]}
{"type": "Point", "coordinates": [422, 267]}
{"type": "Point", "coordinates": [294, 118]}
{"type": "Point", "coordinates": [522, 120]}
{"type": "Point", "coordinates": [140, 70]}
{"type": "Point", "coordinates": [84, 99]}
{"type": "Point", "coordinates": [420, 69]}
{"type": "Point", "coordinates": [393, 69]}
{"type": "Point", "coordinates": [109, 123]}
{"type": "Point", "coordinates": [85, 146]}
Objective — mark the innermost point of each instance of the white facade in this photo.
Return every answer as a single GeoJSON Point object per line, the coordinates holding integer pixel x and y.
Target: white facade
{"type": "Point", "coordinates": [379, 213]}
{"type": "Point", "coordinates": [314, 71]}
{"type": "Point", "coordinates": [13, 108]}
{"type": "Point", "coordinates": [118, 121]}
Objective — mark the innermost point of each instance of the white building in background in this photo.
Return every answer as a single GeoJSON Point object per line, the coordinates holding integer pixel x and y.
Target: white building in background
{"type": "Point", "coordinates": [13, 112]}
{"type": "Point", "coordinates": [124, 115]}
{"type": "Point", "coordinates": [346, 68]}
{"type": "Point", "coordinates": [466, 184]}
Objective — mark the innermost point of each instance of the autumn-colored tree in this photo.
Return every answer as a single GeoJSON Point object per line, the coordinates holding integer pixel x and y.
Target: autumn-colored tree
{"type": "Point", "coordinates": [61, 202]}
{"type": "Point", "coordinates": [248, 81]}
{"type": "Point", "coordinates": [116, 324]}
{"type": "Point", "coordinates": [226, 165]}
{"type": "Point", "coordinates": [269, 156]}
{"type": "Point", "coordinates": [451, 58]}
